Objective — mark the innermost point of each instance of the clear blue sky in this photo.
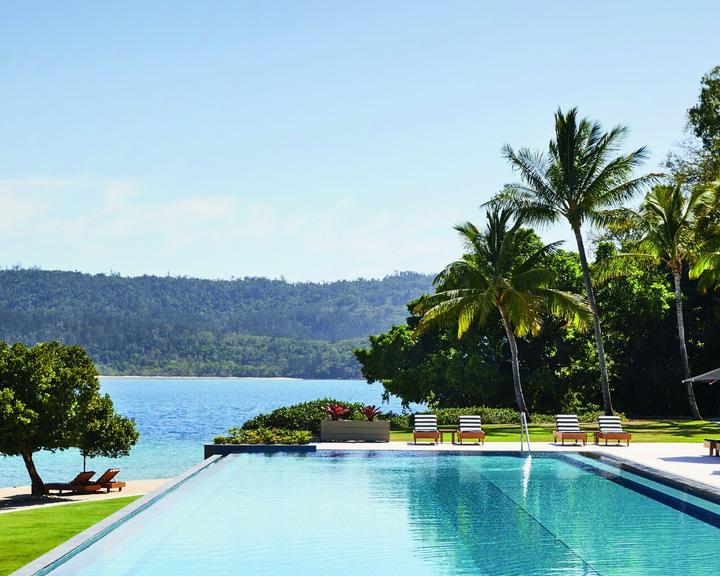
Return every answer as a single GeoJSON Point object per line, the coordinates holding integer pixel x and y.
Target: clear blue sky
{"type": "Point", "coordinates": [314, 140]}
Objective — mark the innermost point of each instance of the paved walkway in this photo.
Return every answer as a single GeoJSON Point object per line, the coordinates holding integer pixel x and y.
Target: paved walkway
{"type": "Point", "coordinates": [19, 498]}
{"type": "Point", "coordinates": [689, 460]}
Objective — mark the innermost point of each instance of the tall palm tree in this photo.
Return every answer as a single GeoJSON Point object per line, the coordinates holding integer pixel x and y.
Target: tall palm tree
{"type": "Point", "coordinates": [579, 177]}
{"type": "Point", "coordinates": [495, 276]}
{"type": "Point", "coordinates": [670, 223]}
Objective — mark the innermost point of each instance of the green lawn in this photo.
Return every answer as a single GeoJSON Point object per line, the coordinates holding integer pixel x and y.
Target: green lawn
{"type": "Point", "coordinates": [642, 431]}
{"type": "Point", "coordinates": [27, 534]}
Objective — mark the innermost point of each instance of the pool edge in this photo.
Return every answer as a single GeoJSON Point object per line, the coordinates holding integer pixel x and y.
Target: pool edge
{"type": "Point", "coordinates": [671, 480]}
{"type": "Point", "coordinates": [72, 546]}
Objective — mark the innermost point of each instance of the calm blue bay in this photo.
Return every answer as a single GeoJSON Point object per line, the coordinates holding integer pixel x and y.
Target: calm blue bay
{"type": "Point", "coordinates": [177, 416]}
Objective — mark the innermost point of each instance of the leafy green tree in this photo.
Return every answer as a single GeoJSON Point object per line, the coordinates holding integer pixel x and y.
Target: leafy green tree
{"type": "Point", "coordinates": [494, 276]}
{"type": "Point", "coordinates": [698, 160]}
{"type": "Point", "coordinates": [577, 180]}
{"type": "Point", "coordinates": [50, 400]}
{"type": "Point", "coordinates": [704, 117]}
{"type": "Point", "coordinates": [670, 225]}
{"type": "Point", "coordinates": [436, 367]}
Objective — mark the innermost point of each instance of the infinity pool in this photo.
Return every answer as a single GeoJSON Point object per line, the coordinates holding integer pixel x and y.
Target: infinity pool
{"type": "Point", "coordinates": [360, 513]}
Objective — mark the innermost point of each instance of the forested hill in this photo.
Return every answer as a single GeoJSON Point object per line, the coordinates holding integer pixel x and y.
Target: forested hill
{"type": "Point", "coordinates": [186, 326]}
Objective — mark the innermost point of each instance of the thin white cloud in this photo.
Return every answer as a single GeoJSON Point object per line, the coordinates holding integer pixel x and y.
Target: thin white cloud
{"type": "Point", "coordinates": [123, 228]}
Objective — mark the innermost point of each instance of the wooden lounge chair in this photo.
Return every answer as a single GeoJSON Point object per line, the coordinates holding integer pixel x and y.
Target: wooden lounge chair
{"type": "Point", "coordinates": [470, 427]}
{"type": "Point", "coordinates": [714, 445]}
{"type": "Point", "coordinates": [611, 429]}
{"type": "Point", "coordinates": [426, 427]}
{"type": "Point", "coordinates": [81, 483]}
{"type": "Point", "coordinates": [108, 482]}
{"type": "Point", "coordinates": [567, 427]}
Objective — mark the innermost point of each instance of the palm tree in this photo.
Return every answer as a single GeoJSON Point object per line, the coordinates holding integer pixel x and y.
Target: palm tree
{"type": "Point", "coordinates": [579, 177]}
{"type": "Point", "coordinates": [670, 224]}
{"type": "Point", "coordinates": [495, 276]}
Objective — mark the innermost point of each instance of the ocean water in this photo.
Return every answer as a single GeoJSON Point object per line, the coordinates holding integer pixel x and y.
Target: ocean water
{"type": "Point", "coordinates": [176, 416]}
{"type": "Point", "coordinates": [421, 514]}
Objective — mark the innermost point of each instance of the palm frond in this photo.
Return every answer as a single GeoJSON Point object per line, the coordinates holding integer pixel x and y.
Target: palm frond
{"type": "Point", "coordinates": [538, 256]}
{"type": "Point", "coordinates": [523, 202]}
{"type": "Point", "coordinates": [621, 265]}
{"type": "Point", "coordinates": [522, 310]}
{"type": "Point", "coordinates": [533, 278]}
{"type": "Point", "coordinates": [572, 308]}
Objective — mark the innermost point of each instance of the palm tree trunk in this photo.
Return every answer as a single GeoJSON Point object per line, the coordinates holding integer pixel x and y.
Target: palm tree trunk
{"type": "Point", "coordinates": [519, 398]}
{"type": "Point", "coordinates": [38, 487]}
{"type": "Point", "coordinates": [677, 278]}
{"type": "Point", "coordinates": [607, 400]}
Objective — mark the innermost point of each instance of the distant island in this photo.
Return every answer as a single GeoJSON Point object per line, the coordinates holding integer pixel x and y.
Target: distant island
{"type": "Point", "coordinates": [176, 326]}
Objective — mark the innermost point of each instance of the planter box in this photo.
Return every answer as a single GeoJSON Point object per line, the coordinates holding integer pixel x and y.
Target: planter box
{"type": "Point", "coordinates": [354, 430]}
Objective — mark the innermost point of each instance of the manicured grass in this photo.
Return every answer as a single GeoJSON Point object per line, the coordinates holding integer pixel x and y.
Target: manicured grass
{"type": "Point", "coordinates": [27, 534]}
{"type": "Point", "coordinates": [642, 431]}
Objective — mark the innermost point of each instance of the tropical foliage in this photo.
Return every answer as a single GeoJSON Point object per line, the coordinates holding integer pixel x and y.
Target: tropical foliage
{"type": "Point", "coordinates": [578, 179]}
{"type": "Point", "coordinates": [648, 332]}
{"type": "Point", "coordinates": [671, 229]}
{"type": "Point", "coordinates": [50, 400]}
{"type": "Point", "coordinates": [500, 274]}
{"type": "Point", "coordinates": [264, 436]}
{"type": "Point", "coordinates": [303, 416]}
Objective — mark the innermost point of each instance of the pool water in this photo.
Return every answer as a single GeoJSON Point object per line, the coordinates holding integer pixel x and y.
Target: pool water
{"type": "Point", "coordinates": [360, 513]}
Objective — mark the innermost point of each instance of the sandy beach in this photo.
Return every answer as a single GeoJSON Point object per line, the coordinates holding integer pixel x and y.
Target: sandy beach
{"type": "Point", "coordinates": [19, 497]}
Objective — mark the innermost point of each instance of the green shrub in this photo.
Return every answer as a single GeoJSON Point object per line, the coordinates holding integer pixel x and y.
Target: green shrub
{"type": "Point", "coordinates": [265, 436]}
{"type": "Point", "coordinates": [304, 416]}
{"type": "Point", "coordinates": [397, 421]}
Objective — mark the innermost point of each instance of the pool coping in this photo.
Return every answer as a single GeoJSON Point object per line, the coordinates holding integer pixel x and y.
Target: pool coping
{"type": "Point", "coordinates": [225, 449]}
{"type": "Point", "coordinates": [44, 564]}
{"type": "Point", "coordinates": [72, 546]}
{"type": "Point", "coordinates": [675, 481]}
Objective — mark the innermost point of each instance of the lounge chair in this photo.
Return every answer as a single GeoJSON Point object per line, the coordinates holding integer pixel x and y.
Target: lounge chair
{"type": "Point", "coordinates": [470, 427]}
{"type": "Point", "coordinates": [107, 481]}
{"type": "Point", "coordinates": [611, 429]}
{"type": "Point", "coordinates": [567, 427]}
{"type": "Point", "coordinates": [81, 483]}
{"type": "Point", "coordinates": [426, 427]}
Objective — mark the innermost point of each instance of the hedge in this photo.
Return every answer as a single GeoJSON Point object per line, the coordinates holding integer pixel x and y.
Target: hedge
{"type": "Point", "coordinates": [265, 436]}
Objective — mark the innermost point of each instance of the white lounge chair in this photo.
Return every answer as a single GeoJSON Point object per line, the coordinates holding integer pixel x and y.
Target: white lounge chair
{"type": "Point", "coordinates": [611, 429]}
{"type": "Point", "coordinates": [567, 427]}
{"type": "Point", "coordinates": [470, 427]}
{"type": "Point", "coordinates": [426, 427]}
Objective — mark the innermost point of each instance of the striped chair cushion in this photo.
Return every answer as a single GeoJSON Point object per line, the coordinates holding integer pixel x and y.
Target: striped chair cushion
{"type": "Point", "coordinates": [470, 424]}
{"type": "Point", "coordinates": [425, 423]}
{"type": "Point", "coordinates": [567, 423]}
{"type": "Point", "coordinates": [610, 424]}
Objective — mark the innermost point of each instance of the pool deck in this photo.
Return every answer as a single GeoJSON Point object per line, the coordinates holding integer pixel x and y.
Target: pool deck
{"type": "Point", "coordinates": [687, 460]}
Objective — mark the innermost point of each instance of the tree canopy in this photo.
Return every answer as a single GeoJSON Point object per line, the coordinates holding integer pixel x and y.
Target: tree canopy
{"type": "Point", "coordinates": [191, 327]}
{"type": "Point", "coordinates": [502, 272]}
{"type": "Point", "coordinates": [50, 400]}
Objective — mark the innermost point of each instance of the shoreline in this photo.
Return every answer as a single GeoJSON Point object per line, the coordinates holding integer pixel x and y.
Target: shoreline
{"type": "Point", "coordinates": [16, 498]}
{"type": "Point", "coordinates": [133, 377]}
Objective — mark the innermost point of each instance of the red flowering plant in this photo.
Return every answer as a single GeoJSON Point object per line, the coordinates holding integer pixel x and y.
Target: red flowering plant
{"type": "Point", "coordinates": [370, 412]}
{"type": "Point", "coordinates": [337, 411]}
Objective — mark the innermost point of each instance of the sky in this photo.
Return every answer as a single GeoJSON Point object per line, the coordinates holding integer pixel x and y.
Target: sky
{"type": "Point", "coordinates": [310, 140]}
